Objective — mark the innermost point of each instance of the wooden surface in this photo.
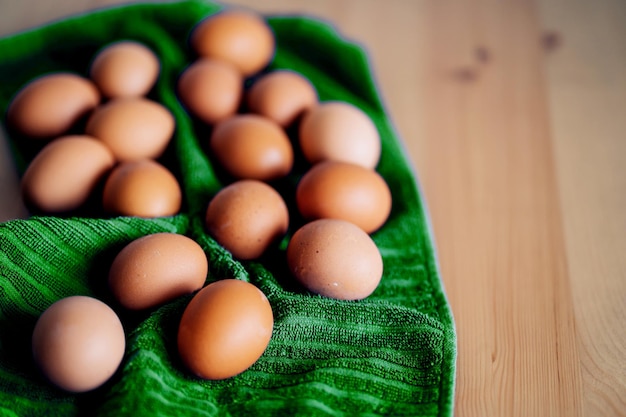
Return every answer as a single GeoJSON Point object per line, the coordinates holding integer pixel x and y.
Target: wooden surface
{"type": "Point", "coordinates": [514, 115]}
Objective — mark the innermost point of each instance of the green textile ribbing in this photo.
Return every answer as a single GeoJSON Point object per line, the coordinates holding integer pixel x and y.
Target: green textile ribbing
{"type": "Point", "coordinates": [391, 354]}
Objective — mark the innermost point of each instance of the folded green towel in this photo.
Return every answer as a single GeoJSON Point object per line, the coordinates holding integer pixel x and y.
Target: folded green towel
{"type": "Point", "coordinates": [390, 354]}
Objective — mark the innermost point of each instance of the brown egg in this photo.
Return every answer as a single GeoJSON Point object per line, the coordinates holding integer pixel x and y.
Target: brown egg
{"type": "Point", "coordinates": [133, 128]}
{"type": "Point", "coordinates": [253, 147]}
{"type": "Point", "coordinates": [225, 329]}
{"type": "Point", "coordinates": [155, 269]}
{"type": "Point", "coordinates": [78, 343]}
{"type": "Point", "coordinates": [246, 217]}
{"type": "Point", "coordinates": [336, 259]}
{"type": "Point", "coordinates": [51, 105]}
{"type": "Point", "coordinates": [340, 190]}
{"type": "Point", "coordinates": [240, 37]}
{"type": "Point", "coordinates": [142, 188]}
{"type": "Point", "coordinates": [339, 131]}
{"type": "Point", "coordinates": [210, 89]}
{"type": "Point", "coordinates": [125, 69]}
{"type": "Point", "coordinates": [65, 172]}
{"type": "Point", "coordinates": [281, 96]}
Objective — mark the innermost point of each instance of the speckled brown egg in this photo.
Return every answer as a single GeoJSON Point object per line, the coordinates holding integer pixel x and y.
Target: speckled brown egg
{"type": "Point", "coordinates": [210, 89]}
{"type": "Point", "coordinates": [240, 37]}
{"type": "Point", "coordinates": [52, 104]}
{"type": "Point", "coordinates": [281, 96]}
{"type": "Point", "coordinates": [142, 188]}
{"type": "Point", "coordinates": [225, 329]}
{"type": "Point", "coordinates": [78, 343]}
{"type": "Point", "coordinates": [133, 128]}
{"type": "Point", "coordinates": [341, 190]}
{"type": "Point", "coordinates": [157, 268]}
{"type": "Point", "coordinates": [246, 217]}
{"type": "Point", "coordinates": [249, 146]}
{"type": "Point", "coordinates": [336, 259]}
{"type": "Point", "coordinates": [125, 69]}
{"type": "Point", "coordinates": [65, 173]}
{"type": "Point", "coordinates": [339, 131]}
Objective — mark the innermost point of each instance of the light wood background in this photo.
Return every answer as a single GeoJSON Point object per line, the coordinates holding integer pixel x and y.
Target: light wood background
{"type": "Point", "coordinates": [514, 115]}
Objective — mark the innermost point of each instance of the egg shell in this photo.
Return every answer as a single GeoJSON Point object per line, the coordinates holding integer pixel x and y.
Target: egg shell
{"type": "Point", "coordinates": [133, 128]}
{"type": "Point", "coordinates": [210, 89]}
{"type": "Point", "coordinates": [282, 96]}
{"type": "Point", "coordinates": [246, 217]}
{"type": "Point", "coordinates": [155, 269]}
{"type": "Point", "coordinates": [336, 259]}
{"type": "Point", "coordinates": [238, 36]}
{"type": "Point", "coordinates": [142, 188]}
{"type": "Point", "coordinates": [341, 190]}
{"type": "Point", "coordinates": [225, 329]}
{"type": "Point", "coordinates": [125, 69]}
{"type": "Point", "coordinates": [50, 105]}
{"type": "Point", "coordinates": [65, 172]}
{"type": "Point", "coordinates": [78, 343]}
{"type": "Point", "coordinates": [249, 146]}
{"type": "Point", "coordinates": [339, 131]}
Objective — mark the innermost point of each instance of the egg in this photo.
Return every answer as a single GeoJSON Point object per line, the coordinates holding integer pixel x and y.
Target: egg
{"type": "Point", "coordinates": [125, 69]}
{"type": "Point", "coordinates": [51, 105]}
{"type": "Point", "coordinates": [142, 188]}
{"type": "Point", "coordinates": [133, 128]}
{"type": "Point", "coordinates": [246, 217]}
{"type": "Point", "coordinates": [210, 89]}
{"type": "Point", "coordinates": [240, 37]}
{"type": "Point", "coordinates": [336, 259]}
{"type": "Point", "coordinates": [282, 96]}
{"type": "Point", "coordinates": [341, 190]}
{"type": "Point", "coordinates": [225, 329]}
{"type": "Point", "coordinates": [339, 131]}
{"type": "Point", "coordinates": [78, 343]}
{"type": "Point", "coordinates": [65, 173]}
{"type": "Point", "coordinates": [157, 268]}
{"type": "Point", "coordinates": [249, 146]}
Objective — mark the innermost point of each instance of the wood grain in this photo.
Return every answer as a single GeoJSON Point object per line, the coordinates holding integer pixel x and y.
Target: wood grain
{"type": "Point", "coordinates": [587, 96]}
{"type": "Point", "coordinates": [513, 115]}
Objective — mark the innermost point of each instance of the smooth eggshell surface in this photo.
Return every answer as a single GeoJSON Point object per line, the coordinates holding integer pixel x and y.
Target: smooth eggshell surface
{"type": "Point", "coordinates": [133, 128]}
{"type": "Point", "coordinates": [51, 105]}
{"type": "Point", "coordinates": [65, 172]}
{"type": "Point", "coordinates": [142, 188]}
{"type": "Point", "coordinates": [336, 259]}
{"type": "Point", "coordinates": [240, 37]}
{"type": "Point", "coordinates": [210, 89]}
{"type": "Point", "coordinates": [249, 146]}
{"type": "Point", "coordinates": [157, 268]}
{"type": "Point", "coordinates": [282, 96]}
{"type": "Point", "coordinates": [339, 131]}
{"type": "Point", "coordinates": [225, 329]}
{"type": "Point", "coordinates": [246, 217]}
{"type": "Point", "coordinates": [78, 343]}
{"type": "Point", "coordinates": [340, 190]}
{"type": "Point", "coordinates": [125, 69]}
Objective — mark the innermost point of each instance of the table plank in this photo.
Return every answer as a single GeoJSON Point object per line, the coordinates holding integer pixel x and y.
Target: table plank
{"type": "Point", "coordinates": [587, 102]}
{"type": "Point", "coordinates": [489, 176]}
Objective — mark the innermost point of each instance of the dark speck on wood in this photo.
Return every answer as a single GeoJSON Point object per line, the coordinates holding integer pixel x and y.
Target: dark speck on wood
{"type": "Point", "coordinates": [465, 74]}
{"type": "Point", "coordinates": [551, 40]}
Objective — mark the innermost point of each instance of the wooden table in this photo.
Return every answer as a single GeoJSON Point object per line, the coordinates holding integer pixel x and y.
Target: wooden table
{"type": "Point", "coordinates": [514, 114]}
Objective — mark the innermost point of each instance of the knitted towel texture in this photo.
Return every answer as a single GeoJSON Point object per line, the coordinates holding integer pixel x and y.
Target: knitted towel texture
{"type": "Point", "coordinates": [391, 354]}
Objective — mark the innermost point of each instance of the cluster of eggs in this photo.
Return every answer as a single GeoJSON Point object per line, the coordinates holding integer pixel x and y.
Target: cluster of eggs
{"type": "Point", "coordinates": [341, 197]}
{"type": "Point", "coordinates": [79, 341]}
{"type": "Point", "coordinates": [228, 324]}
{"type": "Point", "coordinates": [98, 129]}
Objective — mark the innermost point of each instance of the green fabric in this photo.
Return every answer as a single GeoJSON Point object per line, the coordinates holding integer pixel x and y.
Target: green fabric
{"type": "Point", "coordinates": [390, 354]}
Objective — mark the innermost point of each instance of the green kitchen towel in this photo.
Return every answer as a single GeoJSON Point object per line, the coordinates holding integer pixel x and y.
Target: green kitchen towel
{"type": "Point", "coordinates": [391, 354]}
